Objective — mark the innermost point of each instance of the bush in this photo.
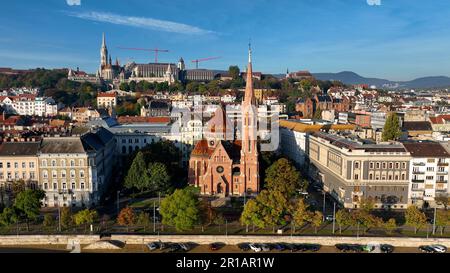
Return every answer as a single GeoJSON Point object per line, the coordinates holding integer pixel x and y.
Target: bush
{"type": "Point", "coordinates": [49, 220]}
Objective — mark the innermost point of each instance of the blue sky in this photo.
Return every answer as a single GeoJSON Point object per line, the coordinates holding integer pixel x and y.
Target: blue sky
{"type": "Point", "coordinates": [398, 40]}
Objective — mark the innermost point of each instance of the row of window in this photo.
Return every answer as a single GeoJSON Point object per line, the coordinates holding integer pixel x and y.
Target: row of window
{"type": "Point", "coordinates": [63, 174]}
{"type": "Point", "coordinates": [17, 176]}
{"type": "Point", "coordinates": [136, 140]}
{"type": "Point", "coordinates": [62, 163]}
{"type": "Point", "coordinates": [389, 177]}
{"type": "Point", "coordinates": [383, 165]}
{"type": "Point", "coordinates": [46, 186]}
{"type": "Point", "coordinates": [16, 165]}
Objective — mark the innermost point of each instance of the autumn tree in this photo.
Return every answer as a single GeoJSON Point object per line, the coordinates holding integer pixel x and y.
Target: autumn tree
{"type": "Point", "coordinates": [300, 214]}
{"type": "Point", "coordinates": [282, 176]}
{"type": "Point", "coordinates": [391, 130]}
{"type": "Point", "coordinates": [343, 218]}
{"type": "Point", "coordinates": [180, 209]}
{"type": "Point", "coordinates": [49, 220]}
{"type": "Point", "coordinates": [85, 217]}
{"type": "Point", "coordinates": [126, 217]}
{"type": "Point", "coordinates": [442, 219]}
{"type": "Point", "coordinates": [415, 218]}
{"type": "Point", "coordinates": [316, 220]}
{"type": "Point", "coordinates": [390, 226]}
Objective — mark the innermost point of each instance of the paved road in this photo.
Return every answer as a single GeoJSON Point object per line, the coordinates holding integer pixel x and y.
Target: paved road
{"type": "Point", "coordinates": [144, 249]}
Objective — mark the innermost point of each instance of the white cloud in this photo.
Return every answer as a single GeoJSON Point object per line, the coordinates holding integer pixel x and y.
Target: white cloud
{"type": "Point", "coordinates": [73, 2]}
{"type": "Point", "coordinates": [141, 22]}
{"type": "Point", "coordinates": [374, 2]}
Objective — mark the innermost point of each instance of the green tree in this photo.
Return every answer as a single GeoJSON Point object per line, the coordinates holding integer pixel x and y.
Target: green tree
{"type": "Point", "coordinates": [443, 200]}
{"type": "Point", "coordinates": [143, 219]}
{"type": "Point", "coordinates": [158, 177]}
{"type": "Point", "coordinates": [180, 209]}
{"type": "Point", "coordinates": [126, 217]}
{"type": "Point", "coordinates": [28, 204]}
{"type": "Point", "coordinates": [219, 220]}
{"type": "Point", "coordinates": [132, 85]}
{"type": "Point", "coordinates": [9, 216]}
{"type": "Point", "coordinates": [442, 219]}
{"type": "Point", "coordinates": [269, 209]}
{"type": "Point", "coordinates": [234, 71]}
{"type": "Point", "coordinates": [343, 218]}
{"type": "Point", "coordinates": [415, 218]}
{"type": "Point", "coordinates": [391, 130]}
{"type": "Point", "coordinates": [390, 225]}
{"type": "Point", "coordinates": [124, 86]}
{"type": "Point", "coordinates": [85, 217]}
{"type": "Point", "coordinates": [316, 220]}
{"type": "Point", "coordinates": [66, 217]}
{"type": "Point", "coordinates": [137, 176]}
{"type": "Point", "coordinates": [252, 214]}
{"type": "Point", "coordinates": [300, 215]}
{"type": "Point", "coordinates": [49, 220]}
{"type": "Point", "coordinates": [282, 176]}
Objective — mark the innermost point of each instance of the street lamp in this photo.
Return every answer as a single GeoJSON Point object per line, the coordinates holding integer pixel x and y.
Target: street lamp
{"type": "Point", "coordinates": [226, 227]}
{"type": "Point", "coordinates": [434, 221]}
{"type": "Point", "coordinates": [323, 212]}
{"type": "Point", "coordinates": [334, 216]}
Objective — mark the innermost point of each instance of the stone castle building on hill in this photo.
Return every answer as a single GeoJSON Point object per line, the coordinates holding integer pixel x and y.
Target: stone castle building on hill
{"type": "Point", "coordinates": [221, 165]}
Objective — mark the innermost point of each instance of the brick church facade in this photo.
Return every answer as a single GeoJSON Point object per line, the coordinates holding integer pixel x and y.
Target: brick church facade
{"type": "Point", "coordinates": [221, 165]}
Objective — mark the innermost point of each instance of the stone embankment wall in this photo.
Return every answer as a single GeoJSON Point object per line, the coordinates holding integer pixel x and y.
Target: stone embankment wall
{"type": "Point", "coordinates": [206, 239]}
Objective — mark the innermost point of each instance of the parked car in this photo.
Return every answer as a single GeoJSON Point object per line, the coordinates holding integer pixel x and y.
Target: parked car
{"type": "Point", "coordinates": [386, 248]}
{"type": "Point", "coordinates": [162, 245]}
{"type": "Point", "coordinates": [215, 246]}
{"type": "Point", "coordinates": [153, 246]}
{"type": "Point", "coordinates": [184, 246]}
{"type": "Point", "coordinates": [343, 247]}
{"type": "Point", "coordinates": [368, 248]}
{"type": "Point", "coordinates": [426, 249]}
{"type": "Point", "coordinates": [265, 247]}
{"type": "Point", "coordinates": [255, 247]}
{"type": "Point", "coordinates": [279, 246]}
{"type": "Point", "coordinates": [290, 247]}
{"type": "Point", "coordinates": [329, 218]}
{"type": "Point", "coordinates": [356, 248]}
{"type": "Point", "coordinates": [244, 246]}
{"type": "Point", "coordinates": [439, 248]}
{"type": "Point", "coordinates": [174, 248]}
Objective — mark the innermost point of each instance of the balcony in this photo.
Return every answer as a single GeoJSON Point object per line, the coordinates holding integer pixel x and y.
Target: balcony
{"type": "Point", "coordinates": [442, 173]}
{"type": "Point", "coordinates": [442, 181]}
{"type": "Point", "coordinates": [419, 164]}
{"type": "Point", "coordinates": [418, 190]}
{"type": "Point", "coordinates": [442, 164]}
{"type": "Point", "coordinates": [418, 172]}
{"type": "Point", "coordinates": [418, 180]}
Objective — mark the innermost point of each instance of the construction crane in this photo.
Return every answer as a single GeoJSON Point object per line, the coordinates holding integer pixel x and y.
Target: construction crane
{"type": "Point", "coordinates": [156, 50]}
{"type": "Point", "coordinates": [202, 60]}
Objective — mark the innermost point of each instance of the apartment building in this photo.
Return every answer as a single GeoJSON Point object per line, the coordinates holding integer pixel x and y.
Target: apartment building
{"type": "Point", "coordinates": [429, 172]}
{"type": "Point", "coordinates": [107, 100]}
{"type": "Point", "coordinates": [18, 162]}
{"type": "Point", "coordinates": [74, 170]}
{"type": "Point", "coordinates": [353, 170]}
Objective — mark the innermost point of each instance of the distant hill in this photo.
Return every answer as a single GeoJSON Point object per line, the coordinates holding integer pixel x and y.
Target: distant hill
{"type": "Point", "coordinates": [349, 77]}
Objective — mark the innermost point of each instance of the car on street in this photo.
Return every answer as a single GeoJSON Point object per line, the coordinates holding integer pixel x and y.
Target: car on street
{"type": "Point", "coordinates": [368, 248]}
{"type": "Point", "coordinates": [265, 247]}
{"type": "Point", "coordinates": [308, 247]}
{"type": "Point", "coordinates": [426, 249]}
{"type": "Point", "coordinates": [290, 247]}
{"type": "Point", "coordinates": [255, 247]}
{"type": "Point", "coordinates": [153, 246]}
{"type": "Point", "coordinates": [343, 247]}
{"type": "Point", "coordinates": [439, 248]}
{"type": "Point", "coordinates": [385, 248]}
{"type": "Point", "coordinates": [243, 246]}
{"type": "Point", "coordinates": [184, 246]}
{"type": "Point", "coordinates": [215, 246]}
{"type": "Point", "coordinates": [279, 246]}
{"type": "Point", "coordinates": [329, 218]}
{"type": "Point", "coordinates": [174, 248]}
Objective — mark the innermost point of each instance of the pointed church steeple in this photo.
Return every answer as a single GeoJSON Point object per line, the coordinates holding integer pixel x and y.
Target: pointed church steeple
{"type": "Point", "coordinates": [249, 98]}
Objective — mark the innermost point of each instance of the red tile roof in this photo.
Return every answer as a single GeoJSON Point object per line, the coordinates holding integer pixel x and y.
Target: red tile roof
{"type": "Point", "coordinates": [106, 95]}
{"type": "Point", "coordinates": [139, 119]}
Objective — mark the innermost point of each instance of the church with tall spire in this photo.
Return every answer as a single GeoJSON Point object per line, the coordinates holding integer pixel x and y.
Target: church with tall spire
{"type": "Point", "coordinates": [107, 70]}
{"type": "Point", "coordinates": [221, 165]}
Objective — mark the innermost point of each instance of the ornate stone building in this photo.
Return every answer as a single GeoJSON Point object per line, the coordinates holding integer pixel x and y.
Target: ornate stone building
{"type": "Point", "coordinates": [220, 165]}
